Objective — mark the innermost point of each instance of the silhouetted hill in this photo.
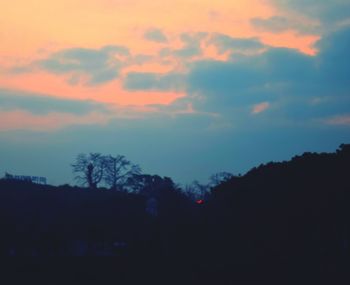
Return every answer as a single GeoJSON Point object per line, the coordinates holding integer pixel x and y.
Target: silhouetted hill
{"type": "Point", "coordinates": [287, 220]}
{"type": "Point", "coordinates": [47, 220]}
{"type": "Point", "coordinates": [293, 213]}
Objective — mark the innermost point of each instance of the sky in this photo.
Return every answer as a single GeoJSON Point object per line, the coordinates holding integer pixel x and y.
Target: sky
{"type": "Point", "coordinates": [185, 89]}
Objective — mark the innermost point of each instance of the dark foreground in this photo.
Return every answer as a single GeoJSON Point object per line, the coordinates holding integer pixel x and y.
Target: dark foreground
{"type": "Point", "coordinates": [115, 271]}
{"type": "Point", "coordinates": [283, 222]}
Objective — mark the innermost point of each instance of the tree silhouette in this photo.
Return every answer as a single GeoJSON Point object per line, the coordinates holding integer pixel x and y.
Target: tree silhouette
{"type": "Point", "coordinates": [219, 178]}
{"type": "Point", "coordinates": [197, 190]}
{"type": "Point", "coordinates": [89, 169]}
{"type": "Point", "coordinates": [118, 171]}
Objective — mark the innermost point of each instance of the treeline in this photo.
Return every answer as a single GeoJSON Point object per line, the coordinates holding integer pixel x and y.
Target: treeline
{"type": "Point", "coordinates": [290, 219]}
{"type": "Point", "coordinates": [96, 170]}
{"type": "Point", "coordinates": [65, 220]}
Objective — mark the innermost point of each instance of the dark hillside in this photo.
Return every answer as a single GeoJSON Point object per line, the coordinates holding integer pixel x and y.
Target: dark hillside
{"type": "Point", "coordinates": [46, 220]}
{"type": "Point", "coordinates": [293, 213]}
{"type": "Point", "coordinates": [287, 220]}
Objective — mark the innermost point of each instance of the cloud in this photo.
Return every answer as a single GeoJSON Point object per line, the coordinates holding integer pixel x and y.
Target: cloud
{"type": "Point", "coordinates": [153, 81]}
{"type": "Point", "coordinates": [191, 46]}
{"type": "Point", "coordinates": [23, 120]}
{"type": "Point", "coordinates": [140, 59]}
{"type": "Point", "coordinates": [40, 104]}
{"type": "Point", "coordinates": [286, 78]}
{"type": "Point", "coordinates": [155, 35]}
{"type": "Point", "coordinates": [343, 120]}
{"type": "Point", "coordinates": [223, 78]}
{"type": "Point", "coordinates": [305, 17]}
{"type": "Point", "coordinates": [280, 24]}
{"type": "Point", "coordinates": [100, 65]}
{"type": "Point", "coordinates": [289, 80]}
{"type": "Point", "coordinates": [259, 108]}
{"type": "Point", "coordinates": [328, 12]}
{"type": "Point", "coordinates": [334, 61]}
{"type": "Point", "coordinates": [38, 112]}
{"type": "Point", "coordinates": [226, 43]}
{"type": "Point", "coordinates": [234, 81]}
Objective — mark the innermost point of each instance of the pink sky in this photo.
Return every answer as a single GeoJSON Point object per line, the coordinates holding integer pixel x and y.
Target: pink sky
{"type": "Point", "coordinates": [32, 30]}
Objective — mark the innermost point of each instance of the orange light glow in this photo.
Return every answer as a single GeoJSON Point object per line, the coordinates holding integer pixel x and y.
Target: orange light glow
{"type": "Point", "coordinates": [35, 29]}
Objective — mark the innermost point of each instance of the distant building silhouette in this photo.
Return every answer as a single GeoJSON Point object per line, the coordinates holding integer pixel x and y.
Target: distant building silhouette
{"type": "Point", "coordinates": [33, 179]}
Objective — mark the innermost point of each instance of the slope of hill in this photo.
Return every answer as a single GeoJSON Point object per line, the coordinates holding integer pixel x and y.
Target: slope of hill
{"type": "Point", "coordinates": [294, 213]}
{"type": "Point", "coordinates": [286, 219]}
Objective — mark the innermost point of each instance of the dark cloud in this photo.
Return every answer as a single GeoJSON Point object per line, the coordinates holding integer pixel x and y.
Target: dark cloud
{"type": "Point", "coordinates": [226, 43]}
{"type": "Point", "coordinates": [328, 12]}
{"type": "Point", "coordinates": [334, 61]}
{"type": "Point", "coordinates": [316, 109]}
{"type": "Point", "coordinates": [101, 65]}
{"type": "Point", "coordinates": [256, 73]}
{"type": "Point", "coordinates": [323, 16]}
{"type": "Point", "coordinates": [156, 35]}
{"type": "Point", "coordinates": [218, 77]}
{"type": "Point", "coordinates": [153, 81]}
{"type": "Point", "coordinates": [165, 52]}
{"type": "Point", "coordinates": [189, 51]}
{"type": "Point", "coordinates": [140, 59]}
{"type": "Point", "coordinates": [288, 79]}
{"type": "Point", "coordinates": [41, 105]}
{"type": "Point", "coordinates": [286, 65]}
{"type": "Point", "coordinates": [280, 24]}
{"type": "Point", "coordinates": [191, 46]}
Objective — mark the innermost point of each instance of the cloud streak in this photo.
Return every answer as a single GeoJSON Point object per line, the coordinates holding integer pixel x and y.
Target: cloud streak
{"type": "Point", "coordinates": [329, 13]}
{"type": "Point", "coordinates": [156, 35]}
{"type": "Point", "coordinates": [339, 121]}
{"type": "Point", "coordinates": [23, 120]}
{"type": "Point", "coordinates": [283, 77]}
{"type": "Point", "coordinates": [259, 108]}
{"type": "Point", "coordinates": [86, 66]}
{"type": "Point", "coordinates": [153, 81]}
{"type": "Point", "coordinates": [226, 43]}
{"type": "Point", "coordinates": [280, 24]}
{"type": "Point", "coordinates": [43, 104]}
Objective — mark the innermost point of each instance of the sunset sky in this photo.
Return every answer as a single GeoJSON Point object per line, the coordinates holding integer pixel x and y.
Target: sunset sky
{"type": "Point", "coordinates": [185, 88]}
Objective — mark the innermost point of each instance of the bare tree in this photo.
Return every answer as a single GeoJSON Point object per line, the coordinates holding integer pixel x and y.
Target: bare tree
{"type": "Point", "coordinates": [89, 169]}
{"type": "Point", "coordinates": [118, 171]}
{"type": "Point", "coordinates": [196, 190]}
{"type": "Point", "coordinates": [218, 178]}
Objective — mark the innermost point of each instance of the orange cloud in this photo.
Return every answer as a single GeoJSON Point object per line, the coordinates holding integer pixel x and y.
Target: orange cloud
{"type": "Point", "coordinates": [290, 39]}
{"type": "Point", "coordinates": [22, 120]}
{"type": "Point", "coordinates": [110, 93]}
{"type": "Point", "coordinates": [27, 26]}
{"type": "Point", "coordinates": [33, 29]}
{"type": "Point", "coordinates": [259, 108]}
{"type": "Point", "coordinates": [339, 121]}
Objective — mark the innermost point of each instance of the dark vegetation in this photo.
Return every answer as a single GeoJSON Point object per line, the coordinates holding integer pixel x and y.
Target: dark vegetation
{"type": "Point", "coordinates": [289, 221]}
